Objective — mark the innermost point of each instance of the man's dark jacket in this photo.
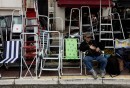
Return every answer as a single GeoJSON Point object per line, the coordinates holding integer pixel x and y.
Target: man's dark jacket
{"type": "Point", "coordinates": [84, 47]}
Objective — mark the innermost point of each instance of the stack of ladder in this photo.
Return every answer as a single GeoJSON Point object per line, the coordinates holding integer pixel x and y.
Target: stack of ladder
{"type": "Point", "coordinates": [30, 38]}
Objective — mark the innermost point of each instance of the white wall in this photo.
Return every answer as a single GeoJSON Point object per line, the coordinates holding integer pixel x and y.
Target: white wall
{"type": "Point", "coordinates": [11, 3]}
{"type": "Point", "coordinates": [7, 6]}
{"type": "Point", "coordinates": [60, 12]}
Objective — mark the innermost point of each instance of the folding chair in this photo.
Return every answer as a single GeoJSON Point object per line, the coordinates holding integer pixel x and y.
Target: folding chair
{"type": "Point", "coordinates": [11, 52]}
{"type": "Point", "coordinates": [71, 52]}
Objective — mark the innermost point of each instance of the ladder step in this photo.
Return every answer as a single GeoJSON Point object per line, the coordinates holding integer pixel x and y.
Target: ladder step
{"type": "Point", "coordinates": [103, 24]}
{"type": "Point", "coordinates": [50, 69]}
{"type": "Point", "coordinates": [30, 50]}
{"type": "Point", "coordinates": [31, 18]}
{"type": "Point", "coordinates": [31, 25]}
{"type": "Point", "coordinates": [106, 39]}
{"type": "Point", "coordinates": [109, 46]}
{"type": "Point", "coordinates": [53, 46]}
{"type": "Point", "coordinates": [115, 19]}
{"type": "Point", "coordinates": [30, 12]}
{"type": "Point", "coordinates": [74, 27]}
{"type": "Point", "coordinates": [85, 25]}
{"type": "Point", "coordinates": [106, 32]}
{"type": "Point", "coordinates": [53, 38]}
{"type": "Point", "coordinates": [51, 58]}
{"type": "Point", "coordinates": [30, 34]}
{"type": "Point", "coordinates": [117, 32]}
{"type": "Point", "coordinates": [29, 47]}
{"type": "Point", "coordinates": [30, 42]}
{"type": "Point", "coordinates": [30, 55]}
{"type": "Point", "coordinates": [55, 54]}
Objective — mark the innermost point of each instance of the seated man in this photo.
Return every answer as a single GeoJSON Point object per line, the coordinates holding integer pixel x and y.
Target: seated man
{"type": "Point", "coordinates": [92, 52]}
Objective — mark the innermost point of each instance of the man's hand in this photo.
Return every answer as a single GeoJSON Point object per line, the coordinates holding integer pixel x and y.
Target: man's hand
{"type": "Point", "coordinates": [97, 49]}
{"type": "Point", "coordinates": [92, 47]}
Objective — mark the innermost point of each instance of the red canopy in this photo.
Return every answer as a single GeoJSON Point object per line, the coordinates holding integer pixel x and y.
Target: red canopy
{"type": "Point", "coordinates": [79, 3]}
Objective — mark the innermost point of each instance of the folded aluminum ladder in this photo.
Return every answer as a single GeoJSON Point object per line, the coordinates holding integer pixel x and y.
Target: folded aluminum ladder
{"type": "Point", "coordinates": [106, 34]}
{"type": "Point", "coordinates": [88, 25]}
{"type": "Point", "coordinates": [16, 24]}
{"type": "Point", "coordinates": [119, 32]}
{"type": "Point", "coordinates": [74, 23]}
{"type": "Point", "coordinates": [50, 65]}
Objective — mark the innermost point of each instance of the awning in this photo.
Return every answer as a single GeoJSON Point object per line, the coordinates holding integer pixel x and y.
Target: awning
{"type": "Point", "coordinates": [79, 3]}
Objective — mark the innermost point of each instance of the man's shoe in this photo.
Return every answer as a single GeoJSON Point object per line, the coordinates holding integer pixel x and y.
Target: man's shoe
{"type": "Point", "coordinates": [103, 73]}
{"type": "Point", "coordinates": [94, 74]}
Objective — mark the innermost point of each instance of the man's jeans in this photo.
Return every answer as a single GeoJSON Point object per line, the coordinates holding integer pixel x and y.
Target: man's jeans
{"type": "Point", "coordinates": [88, 62]}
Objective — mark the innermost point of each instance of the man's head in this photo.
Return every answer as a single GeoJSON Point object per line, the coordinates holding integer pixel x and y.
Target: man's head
{"type": "Point", "coordinates": [87, 37]}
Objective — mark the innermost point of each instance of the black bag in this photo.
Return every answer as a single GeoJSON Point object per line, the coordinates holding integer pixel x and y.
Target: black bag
{"type": "Point", "coordinates": [112, 67]}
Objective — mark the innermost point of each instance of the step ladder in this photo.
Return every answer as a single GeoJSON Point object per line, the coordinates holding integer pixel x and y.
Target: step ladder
{"type": "Point", "coordinates": [31, 39]}
{"type": "Point", "coordinates": [88, 26]}
{"type": "Point", "coordinates": [16, 24]}
{"type": "Point", "coordinates": [74, 23]}
{"type": "Point", "coordinates": [52, 46]}
{"type": "Point", "coordinates": [118, 32]}
{"type": "Point", "coordinates": [44, 29]}
{"type": "Point", "coordinates": [106, 34]}
{"type": "Point", "coordinates": [49, 56]}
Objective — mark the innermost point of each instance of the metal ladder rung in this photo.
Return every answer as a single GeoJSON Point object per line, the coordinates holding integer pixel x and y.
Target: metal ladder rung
{"type": "Point", "coordinates": [30, 18]}
{"type": "Point", "coordinates": [51, 58]}
{"type": "Point", "coordinates": [53, 46]}
{"type": "Point", "coordinates": [109, 47]}
{"type": "Point", "coordinates": [106, 39]}
{"type": "Point", "coordinates": [74, 27]}
{"type": "Point", "coordinates": [103, 24]}
{"type": "Point", "coordinates": [86, 25]}
{"type": "Point", "coordinates": [106, 32]}
{"type": "Point", "coordinates": [55, 54]}
{"type": "Point", "coordinates": [117, 32]}
{"type": "Point", "coordinates": [50, 69]}
{"type": "Point", "coordinates": [54, 38]}
{"type": "Point", "coordinates": [35, 25]}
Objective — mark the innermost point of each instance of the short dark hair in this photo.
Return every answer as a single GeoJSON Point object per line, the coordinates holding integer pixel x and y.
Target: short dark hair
{"type": "Point", "coordinates": [87, 34]}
